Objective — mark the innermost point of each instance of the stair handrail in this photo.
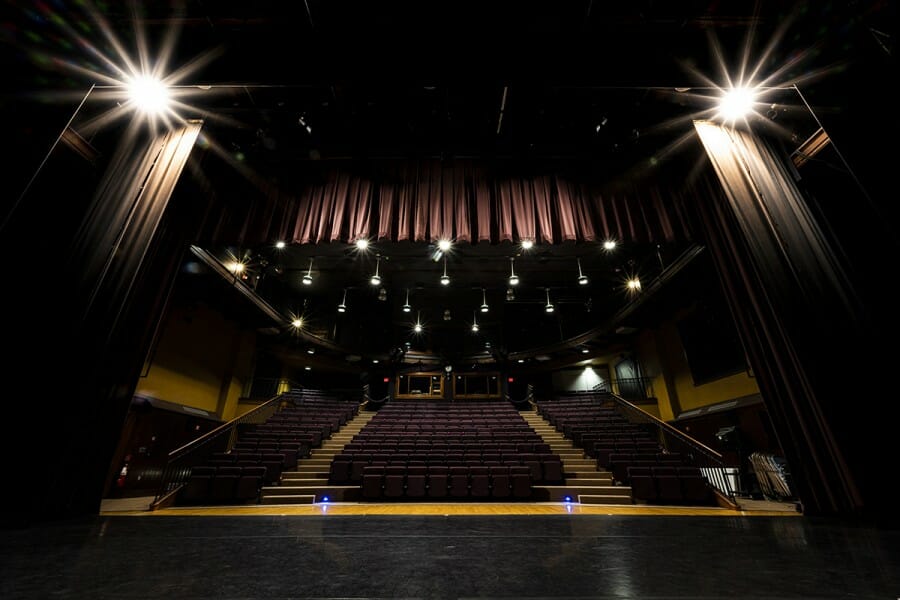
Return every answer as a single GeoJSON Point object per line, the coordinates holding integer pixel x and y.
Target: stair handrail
{"type": "Point", "coordinates": [721, 476]}
{"type": "Point", "coordinates": [221, 439]}
{"type": "Point", "coordinates": [367, 399]}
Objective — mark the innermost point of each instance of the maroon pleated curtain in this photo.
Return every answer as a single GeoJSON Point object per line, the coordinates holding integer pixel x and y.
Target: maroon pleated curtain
{"type": "Point", "coordinates": [461, 202]}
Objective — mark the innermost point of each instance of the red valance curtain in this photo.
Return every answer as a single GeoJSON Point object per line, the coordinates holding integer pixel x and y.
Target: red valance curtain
{"type": "Point", "coordinates": [463, 202]}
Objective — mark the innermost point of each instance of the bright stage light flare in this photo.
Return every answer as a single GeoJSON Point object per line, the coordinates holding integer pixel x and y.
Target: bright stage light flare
{"type": "Point", "coordinates": [736, 104]}
{"type": "Point", "coordinates": [149, 95]}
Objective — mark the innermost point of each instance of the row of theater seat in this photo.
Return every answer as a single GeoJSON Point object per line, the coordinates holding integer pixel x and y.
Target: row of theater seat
{"type": "Point", "coordinates": [619, 463]}
{"type": "Point", "coordinates": [476, 450]}
{"type": "Point", "coordinates": [667, 484]}
{"type": "Point", "coordinates": [223, 485]}
{"type": "Point", "coordinates": [629, 451]}
{"type": "Point", "coordinates": [275, 462]}
{"type": "Point", "coordinates": [395, 482]}
{"type": "Point", "coordinates": [263, 452]}
{"type": "Point", "coordinates": [347, 468]}
{"type": "Point", "coordinates": [425, 444]}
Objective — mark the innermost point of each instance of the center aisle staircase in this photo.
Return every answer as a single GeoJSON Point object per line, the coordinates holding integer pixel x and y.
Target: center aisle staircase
{"type": "Point", "coordinates": [583, 482]}
{"type": "Point", "coordinates": [308, 483]}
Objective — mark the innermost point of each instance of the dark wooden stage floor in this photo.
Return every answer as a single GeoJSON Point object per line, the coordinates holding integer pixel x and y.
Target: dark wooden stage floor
{"type": "Point", "coordinates": [453, 551]}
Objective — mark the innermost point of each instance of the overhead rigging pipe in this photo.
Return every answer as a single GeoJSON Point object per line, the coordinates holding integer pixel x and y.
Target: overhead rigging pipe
{"type": "Point", "coordinates": [502, 108]}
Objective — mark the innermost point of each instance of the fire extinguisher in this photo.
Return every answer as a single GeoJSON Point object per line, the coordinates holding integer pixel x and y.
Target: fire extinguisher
{"type": "Point", "coordinates": [120, 482]}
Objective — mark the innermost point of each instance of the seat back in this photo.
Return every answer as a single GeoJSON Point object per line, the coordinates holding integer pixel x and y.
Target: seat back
{"type": "Point", "coordinates": [416, 481]}
{"type": "Point", "coordinates": [250, 483]}
{"type": "Point", "coordinates": [438, 481]}
{"type": "Point", "coordinates": [224, 484]}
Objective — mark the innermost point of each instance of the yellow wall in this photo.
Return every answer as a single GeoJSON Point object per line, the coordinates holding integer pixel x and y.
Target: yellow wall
{"type": "Point", "coordinates": [202, 361]}
{"type": "Point", "coordinates": [663, 361]}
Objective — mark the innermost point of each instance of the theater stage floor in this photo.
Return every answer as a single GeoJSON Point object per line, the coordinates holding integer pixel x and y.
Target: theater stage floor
{"type": "Point", "coordinates": [443, 551]}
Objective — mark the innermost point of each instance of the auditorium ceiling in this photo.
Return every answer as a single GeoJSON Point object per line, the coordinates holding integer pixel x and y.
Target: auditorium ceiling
{"type": "Point", "coordinates": [603, 93]}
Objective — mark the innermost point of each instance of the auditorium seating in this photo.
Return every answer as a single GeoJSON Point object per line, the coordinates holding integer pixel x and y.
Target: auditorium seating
{"type": "Point", "coordinates": [669, 484]}
{"type": "Point", "coordinates": [262, 452]}
{"type": "Point", "coordinates": [631, 452]}
{"type": "Point", "coordinates": [250, 483]}
{"type": "Point", "coordinates": [223, 484]}
{"type": "Point", "coordinates": [196, 490]}
{"type": "Point", "coordinates": [462, 451]}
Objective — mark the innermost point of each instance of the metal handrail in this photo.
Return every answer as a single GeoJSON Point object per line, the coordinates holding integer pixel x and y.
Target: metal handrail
{"type": "Point", "coordinates": [367, 399]}
{"type": "Point", "coordinates": [196, 452]}
{"type": "Point", "coordinates": [723, 477]}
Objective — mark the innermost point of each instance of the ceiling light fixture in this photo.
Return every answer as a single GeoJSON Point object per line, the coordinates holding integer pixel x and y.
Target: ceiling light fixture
{"type": "Point", "coordinates": [445, 279]}
{"type": "Point", "coordinates": [549, 307]}
{"type": "Point", "coordinates": [149, 94]}
{"type": "Point", "coordinates": [609, 245]}
{"type": "Point", "coordinates": [342, 307]}
{"type": "Point", "coordinates": [736, 103]}
{"type": "Point", "coordinates": [362, 244]}
{"type": "Point", "coordinates": [484, 304]}
{"type": "Point", "coordinates": [382, 294]}
{"type": "Point", "coordinates": [527, 244]}
{"type": "Point", "coordinates": [418, 326]}
{"type": "Point", "coordinates": [447, 314]}
{"type": "Point", "coordinates": [307, 279]}
{"type": "Point", "coordinates": [280, 244]}
{"type": "Point", "coordinates": [297, 323]}
{"type": "Point", "coordinates": [376, 278]}
{"type": "Point", "coordinates": [510, 295]}
{"type": "Point", "coordinates": [634, 284]}
{"type": "Point", "coordinates": [582, 278]}
{"type": "Point", "coordinates": [475, 322]}
{"type": "Point", "coordinates": [406, 307]}
{"type": "Point", "coordinates": [513, 278]}
{"type": "Point", "coordinates": [302, 121]}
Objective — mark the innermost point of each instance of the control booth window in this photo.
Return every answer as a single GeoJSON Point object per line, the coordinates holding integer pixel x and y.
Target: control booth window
{"type": "Point", "coordinates": [420, 385]}
{"type": "Point", "coordinates": [476, 385]}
